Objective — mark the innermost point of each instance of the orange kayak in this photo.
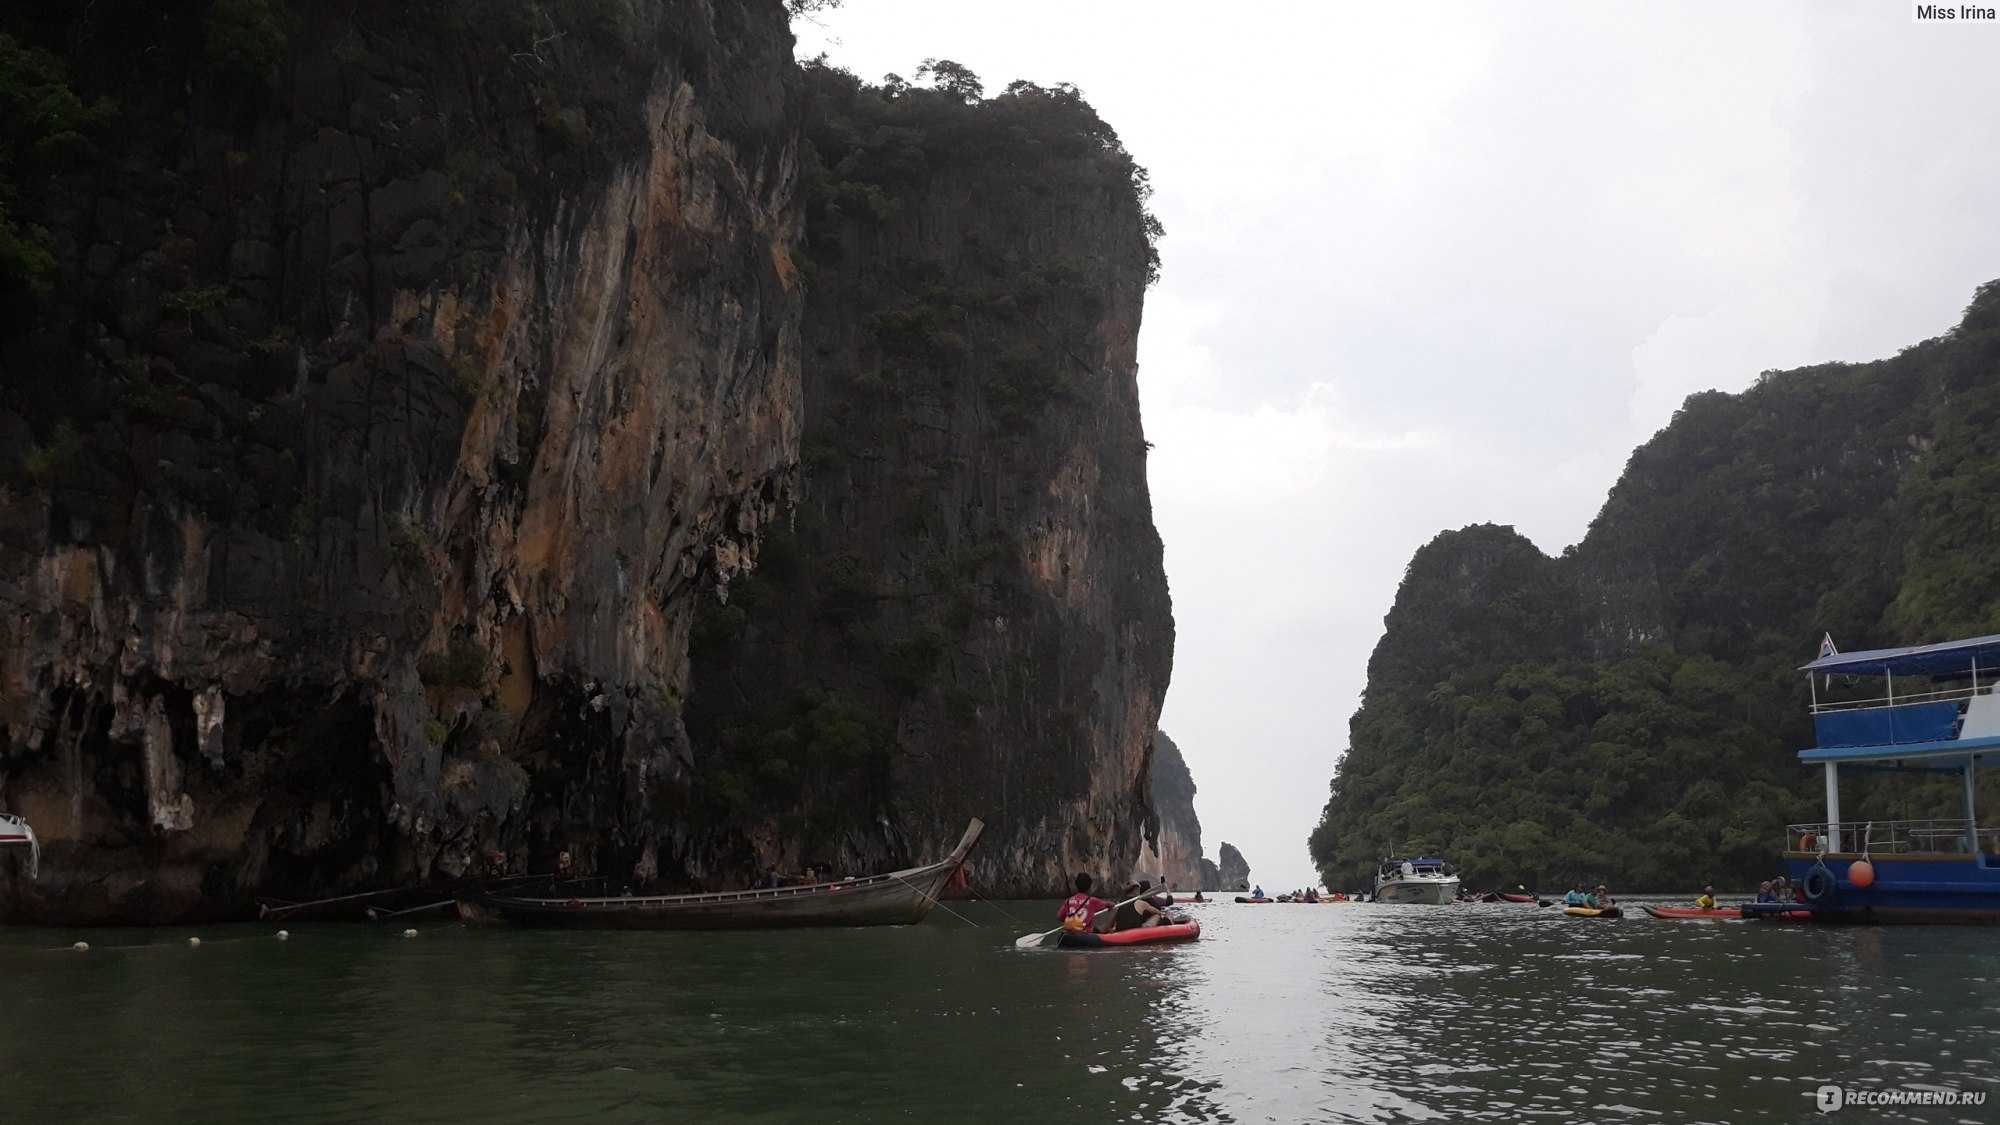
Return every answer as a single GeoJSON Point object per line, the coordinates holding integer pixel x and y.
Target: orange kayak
{"type": "Point", "coordinates": [1693, 912]}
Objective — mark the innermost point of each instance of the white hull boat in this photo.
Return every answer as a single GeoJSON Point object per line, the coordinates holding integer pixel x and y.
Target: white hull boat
{"type": "Point", "coordinates": [15, 833]}
{"type": "Point", "coordinates": [1415, 880]}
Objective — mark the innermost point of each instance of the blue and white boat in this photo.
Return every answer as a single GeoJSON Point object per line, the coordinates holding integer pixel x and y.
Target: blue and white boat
{"type": "Point", "coordinates": [1937, 714]}
{"type": "Point", "coordinates": [1422, 879]}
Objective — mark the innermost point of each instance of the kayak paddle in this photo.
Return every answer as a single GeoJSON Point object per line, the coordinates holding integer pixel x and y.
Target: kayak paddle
{"type": "Point", "coordinates": [1030, 941]}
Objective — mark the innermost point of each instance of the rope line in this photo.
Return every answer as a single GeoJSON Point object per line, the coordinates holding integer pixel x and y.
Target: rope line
{"type": "Point", "coordinates": [935, 901]}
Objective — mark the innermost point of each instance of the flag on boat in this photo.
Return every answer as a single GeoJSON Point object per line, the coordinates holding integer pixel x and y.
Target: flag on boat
{"type": "Point", "coordinates": [1826, 648]}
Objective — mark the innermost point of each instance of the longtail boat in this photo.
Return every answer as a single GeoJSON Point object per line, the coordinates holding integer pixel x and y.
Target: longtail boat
{"type": "Point", "coordinates": [897, 898]}
{"type": "Point", "coordinates": [15, 832]}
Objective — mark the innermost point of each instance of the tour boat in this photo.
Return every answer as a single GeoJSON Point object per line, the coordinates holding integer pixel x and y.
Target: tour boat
{"type": "Point", "coordinates": [15, 833]}
{"type": "Point", "coordinates": [1415, 880]}
{"type": "Point", "coordinates": [1934, 716]}
{"type": "Point", "coordinates": [893, 899]}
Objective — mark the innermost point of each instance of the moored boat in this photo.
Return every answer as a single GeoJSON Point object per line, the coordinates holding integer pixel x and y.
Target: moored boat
{"type": "Point", "coordinates": [1143, 935]}
{"type": "Point", "coordinates": [1934, 716]}
{"type": "Point", "coordinates": [1421, 880]}
{"type": "Point", "coordinates": [15, 832]}
{"type": "Point", "coordinates": [896, 898]}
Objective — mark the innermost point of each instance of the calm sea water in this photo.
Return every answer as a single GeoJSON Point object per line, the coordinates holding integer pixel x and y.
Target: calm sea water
{"type": "Point", "coordinates": [1280, 1013]}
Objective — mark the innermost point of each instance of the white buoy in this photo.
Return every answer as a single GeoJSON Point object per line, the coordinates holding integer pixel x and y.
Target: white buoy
{"type": "Point", "coordinates": [409, 933]}
{"type": "Point", "coordinates": [284, 935]}
{"type": "Point", "coordinates": [193, 941]}
{"type": "Point", "coordinates": [81, 947]}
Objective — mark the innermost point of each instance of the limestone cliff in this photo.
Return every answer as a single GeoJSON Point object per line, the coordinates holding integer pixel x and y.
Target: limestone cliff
{"type": "Point", "coordinates": [384, 386]}
{"type": "Point", "coordinates": [967, 615]}
{"type": "Point", "coordinates": [1232, 868]}
{"type": "Point", "coordinates": [1175, 853]}
{"type": "Point", "coordinates": [1629, 709]}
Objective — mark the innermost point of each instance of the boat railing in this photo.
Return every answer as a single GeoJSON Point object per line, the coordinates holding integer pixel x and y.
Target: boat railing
{"type": "Point", "coordinates": [1900, 699]}
{"type": "Point", "coordinates": [1890, 837]}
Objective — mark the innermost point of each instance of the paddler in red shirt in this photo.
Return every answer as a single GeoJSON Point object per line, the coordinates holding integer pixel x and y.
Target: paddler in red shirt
{"type": "Point", "coordinates": [1080, 910]}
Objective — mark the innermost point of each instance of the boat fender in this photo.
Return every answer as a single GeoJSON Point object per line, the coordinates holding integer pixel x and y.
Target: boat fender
{"type": "Point", "coordinates": [1818, 882]}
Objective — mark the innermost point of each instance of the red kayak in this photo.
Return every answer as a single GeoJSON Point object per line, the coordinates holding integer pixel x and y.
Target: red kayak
{"type": "Point", "coordinates": [1694, 912]}
{"type": "Point", "coordinates": [1144, 935]}
{"type": "Point", "coordinates": [1505, 897]}
{"type": "Point", "coordinates": [1240, 898]}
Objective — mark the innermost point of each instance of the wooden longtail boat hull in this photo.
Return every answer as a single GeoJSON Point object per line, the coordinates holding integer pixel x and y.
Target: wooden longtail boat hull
{"type": "Point", "coordinates": [898, 898]}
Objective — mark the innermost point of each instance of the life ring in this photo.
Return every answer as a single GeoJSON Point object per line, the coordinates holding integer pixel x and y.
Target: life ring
{"type": "Point", "coordinates": [1818, 883]}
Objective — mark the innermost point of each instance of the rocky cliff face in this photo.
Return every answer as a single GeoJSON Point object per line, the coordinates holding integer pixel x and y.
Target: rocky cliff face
{"type": "Point", "coordinates": [1176, 852]}
{"type": "Point", "coordinates": [387, 387]}
{"type": "Point", "coordinates": [1232, 870]}
{"type": "Point", "coordinates": [967, 615]}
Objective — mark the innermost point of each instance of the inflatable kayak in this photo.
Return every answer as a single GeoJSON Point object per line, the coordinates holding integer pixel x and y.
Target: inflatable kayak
{"type": "Point", "coordinates": [1240, 898]}
{"type": "Point", "coordinates": [1694, 912]}
{"type": "Point", "coordinates": [1593, 912]}
{"type": "Point", "coordinates": [1144, 935]}
{"type": "Point", "coordinates": [1516, 898]}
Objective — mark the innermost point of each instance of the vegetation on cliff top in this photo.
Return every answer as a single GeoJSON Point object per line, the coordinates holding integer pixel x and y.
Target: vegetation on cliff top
{"type": "Point", "coordinates": [1630, 710]}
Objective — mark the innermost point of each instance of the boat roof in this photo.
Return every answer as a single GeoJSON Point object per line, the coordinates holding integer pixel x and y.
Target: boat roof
{"type": "Point", "coordinates": [1951, 755]}
{"type": "Point", "coordinates": [1421, 859]}
{"type": "Point", "coordinates": [1945, 659]}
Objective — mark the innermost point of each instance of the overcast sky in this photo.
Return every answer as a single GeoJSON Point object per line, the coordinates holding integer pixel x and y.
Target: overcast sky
{"type": "Point", "coordinates": [1435, 265]}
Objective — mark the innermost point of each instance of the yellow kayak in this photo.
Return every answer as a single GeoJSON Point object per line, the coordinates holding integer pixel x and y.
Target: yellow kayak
{"type": "Point", "coordinates": [1593, 912]}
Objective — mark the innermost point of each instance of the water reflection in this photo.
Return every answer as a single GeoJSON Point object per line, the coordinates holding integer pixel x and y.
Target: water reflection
{"type": "Point", "coordinates": [1329, 1013]}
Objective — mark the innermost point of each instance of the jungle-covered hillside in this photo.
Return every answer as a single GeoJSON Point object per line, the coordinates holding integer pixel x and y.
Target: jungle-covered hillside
{"type": "Point", "coordinates": [1630, 710]}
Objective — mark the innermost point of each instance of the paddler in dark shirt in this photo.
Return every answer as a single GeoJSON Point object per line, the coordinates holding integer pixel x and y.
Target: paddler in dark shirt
{"type": "Point", "coordinates": [1138, 912]}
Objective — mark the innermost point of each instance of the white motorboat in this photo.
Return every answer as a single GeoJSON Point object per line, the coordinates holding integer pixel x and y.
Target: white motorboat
{"type": "Point", "coordinates": [15, 833]}
{"type": "Point", "coordinates": [1415, 880]}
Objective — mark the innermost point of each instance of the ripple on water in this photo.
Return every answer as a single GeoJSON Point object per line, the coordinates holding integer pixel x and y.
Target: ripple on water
{"type": "Point", "coordinates": [1361, 1014]}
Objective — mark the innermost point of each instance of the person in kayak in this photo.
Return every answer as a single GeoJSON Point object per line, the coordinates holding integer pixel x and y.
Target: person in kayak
{"type": "Point", "coordinates": [1707, 899]}
{"type": "Point", "coordinates": [1137, 912]}
{"type": "Point", "coordinates": [1258, 892]}
{"type": "Point", "coordinates": [1576, 897]}
{"type": "Point", "coordinates": [1602, 900]}
{"type": "Point", "coordinates": [1765, 893]}
{"type": "Point", "coordinates": [1080, 911]}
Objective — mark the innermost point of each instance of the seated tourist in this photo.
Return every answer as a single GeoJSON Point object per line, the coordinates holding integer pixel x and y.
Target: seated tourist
{"type": "Point", "coordinates": [1137, 912]}
{"type": "Point", "coordinates": [1707, 899]}
{"type": "Point", "coordinates": [1080, 911]}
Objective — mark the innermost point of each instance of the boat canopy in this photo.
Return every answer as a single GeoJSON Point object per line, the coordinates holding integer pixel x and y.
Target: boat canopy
{"type": "Point", "coordinates": [1420, 862]}
{"type": "Point", "coordinates": [1950, 658]}
{"type": "Point", "coordinates": [1952, 754]}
